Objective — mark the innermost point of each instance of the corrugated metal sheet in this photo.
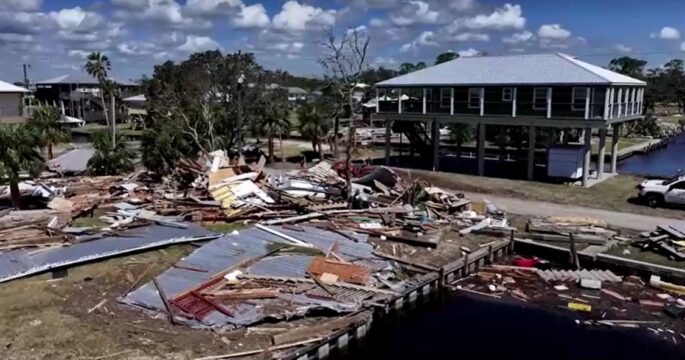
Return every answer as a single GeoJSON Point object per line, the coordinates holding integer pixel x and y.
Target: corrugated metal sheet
{"type": "Point", "coordinates": [512, 70]}
{"type": "Point", "coordinates": [20, 263]}
{"type": "Point", "coordinates": [252, 242]}
{"type": "Point", "coordinates": [73, 161]}
{"type": "Point", "coordinates": [576, 275]}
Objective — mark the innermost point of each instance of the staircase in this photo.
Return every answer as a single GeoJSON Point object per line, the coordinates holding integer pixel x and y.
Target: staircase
{"type": "Point", "coordinates": [418, 135]}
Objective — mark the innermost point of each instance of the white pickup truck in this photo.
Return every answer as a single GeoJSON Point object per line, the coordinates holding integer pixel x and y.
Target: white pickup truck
{"type": "Point", "coordinates": [663, 192]}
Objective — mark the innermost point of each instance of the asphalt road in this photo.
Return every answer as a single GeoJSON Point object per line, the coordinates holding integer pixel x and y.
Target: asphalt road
{"type": "Point", "coordinates": [540, 208]}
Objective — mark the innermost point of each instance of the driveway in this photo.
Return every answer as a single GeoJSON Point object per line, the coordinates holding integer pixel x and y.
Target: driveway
{"type": "Point", "coordinates": [540, 208]}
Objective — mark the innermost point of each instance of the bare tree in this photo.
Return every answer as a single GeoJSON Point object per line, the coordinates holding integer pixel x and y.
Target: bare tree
{"type": "Point", "coordinates": [344, 59]}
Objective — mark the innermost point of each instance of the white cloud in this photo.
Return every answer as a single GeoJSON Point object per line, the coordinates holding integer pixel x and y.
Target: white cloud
{"type": "Point", "coordinates": [426, 38]}
{"type": "Point", "coordinates": [77, 20]}
{"type": "Point", "coordinates": [518, 38]}
{"type": "Point", "coordinates": [21, 5]}
{"type": "Point", "coordinates": [213, 7]}
{"type": "Point", "coordinates": [166, 12]}
{"type": "Point", "coordinates": [15, 38]}
{"type": "Point", "coordinates": [195, 44]}
{"type": "Point", "coordinates": [669, 33]}
{"type": "Point", "coordinates": [253, 16]}
{"type": "Point", "coordinates": [79, 54]}
{"type": "Point", "coordinates": [471, 52]}
{"type": "Point", "coordinates": [467, 36]}
{"type": "Point", "coordinates": [287, 47]}
{"type": "Point", "coordinates": [623, 48]}
{"type": "Point", "coordinates": [298, 17]}
{"type": "Point", "coordinates": [134, 48]}
{"type": "Point", "coordinates": [376, 22]}
{"type": "Point", "coordinates": [507, 17]}
{"type": "Point", "coordinates": [131, 4]}
{"type": "Point", "coordinates": [383, 61]}
{"type": "Point", "coordinates": [553, 31]}
{"type": "Point", "coordinates": [414, 12]}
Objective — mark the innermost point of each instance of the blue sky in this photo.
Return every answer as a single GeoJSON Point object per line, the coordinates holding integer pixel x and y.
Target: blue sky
{"type": "Point", "coordinates": [54, 36]}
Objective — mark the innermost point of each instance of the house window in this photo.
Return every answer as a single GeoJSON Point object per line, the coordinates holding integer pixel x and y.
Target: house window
{"type": "Point", "coordinates": [507, 94]}
{"type": "Point", "coordinates": [445, 98]}
{"type": "Point", "coordinates": [579, 96]}
{"type": "Point", "coordinates": [474, 98]}
{"type": "Point", "coordinates": [540, 99]}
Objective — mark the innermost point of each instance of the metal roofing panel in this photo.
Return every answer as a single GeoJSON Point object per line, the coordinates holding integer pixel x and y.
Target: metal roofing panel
{"type": "Point", "coordinates": [576, 275]}
{"type": "Point", "coordinates": [81, 78]}
{"type": "Point", "coordinates": [6, 87]}
{"type": "Point", "coordinates": [20, 263]}
{"type": "Point", "coordinates": [249, 243]}
{"type": "Point", "coordinates": [72, 161]}
{"type": "Point", "coordinates": [512, 70]}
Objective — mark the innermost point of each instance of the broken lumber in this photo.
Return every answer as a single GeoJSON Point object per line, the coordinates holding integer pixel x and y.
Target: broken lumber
{"type": "Point", "coordinates": [405, 261]}
{"type": "Point", "coordinates": [259, 351]}
{"type": "Point", "coordinates": [305, 332]}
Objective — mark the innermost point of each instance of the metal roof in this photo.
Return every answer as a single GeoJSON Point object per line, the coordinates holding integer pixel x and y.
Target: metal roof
{"type": "Point", "coordinates": [80, 78]}
{"type": "Point", "coordinates": [538, 69]}
{"type": "Point", "coordinates": [72, 161]}
{"type": "Point", "coordinates": [19, 263]}
{"type": "Point", "coordinates": [6, 87]}
{"type": "Point", "coordinates": [251, 243]}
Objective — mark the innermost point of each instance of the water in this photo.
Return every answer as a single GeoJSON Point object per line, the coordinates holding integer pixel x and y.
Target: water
{"type": "Point", "coordinates": [466, 327]}
{"type": "Point", "coordinates": [663, 162]}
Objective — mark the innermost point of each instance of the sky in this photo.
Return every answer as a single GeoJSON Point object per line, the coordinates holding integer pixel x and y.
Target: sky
{"type": "Point", "coordinates": [55, 36]}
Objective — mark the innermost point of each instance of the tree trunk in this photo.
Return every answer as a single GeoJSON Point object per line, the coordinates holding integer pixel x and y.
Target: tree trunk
{"type": "Point", "coordinates": [314, 140]}
{"type": "Point", "coordinates": [348, 153]}
{"type": "Point", "coordinates": [270, 145]}
{"type": "Point", "coordinates": [15, 194]}
{"type": "Point", "coordinates": [50, 156]}
{"type": "Point", "coordinates": [114, 124]}
{"type": "Point", "coordinates": [280, 145]}
{"type": "Point", "coordinates": [336, 129]}
{"type": "Point", "coordinates": [104, 107]}
{"type": "Point", "coordinates": [458, 152]}
{"type": "Point", "coordinates": [320, 149]}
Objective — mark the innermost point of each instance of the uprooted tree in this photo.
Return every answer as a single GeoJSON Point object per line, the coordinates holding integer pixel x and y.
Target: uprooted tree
{"type": "Point", "coordinates": [200, 105]}
{"type": "Point", "coordinates": [345, 59]}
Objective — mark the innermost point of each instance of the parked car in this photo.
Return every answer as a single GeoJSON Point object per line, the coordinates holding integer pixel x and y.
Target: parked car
{"type": "Point", "coordinates": [663, 192]}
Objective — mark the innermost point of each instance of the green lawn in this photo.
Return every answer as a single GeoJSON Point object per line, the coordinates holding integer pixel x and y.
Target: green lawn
{"type": "Point", "coordinates": [124, 129]}
{"type": "Point", "coordinates": [673, 119]}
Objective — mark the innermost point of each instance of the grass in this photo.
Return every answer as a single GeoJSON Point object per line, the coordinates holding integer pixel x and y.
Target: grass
{"type": "Point", "coordinates": [672, 119]}
{"type": "Point", "coordinates": [617, 193]}
{"type": "Point", "coordinates": [42, 319]}
{"type": "Point", "coordinates": [124, 129]}
{"type": "Point", "coordinates": [93, 222]}
{"type": "Point", "coordinates": [221, 227]}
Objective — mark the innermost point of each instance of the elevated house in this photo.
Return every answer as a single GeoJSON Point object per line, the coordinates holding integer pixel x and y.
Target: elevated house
{"type": "Point", "coordinates": [78, 95]}
{"type": "Point", "coordinates": [533, 91]}
{"type": "Point", "coordinates": [12, 109]}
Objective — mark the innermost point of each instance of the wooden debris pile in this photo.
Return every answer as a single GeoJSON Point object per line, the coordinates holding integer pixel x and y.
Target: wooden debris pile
{"type": "Point", "coordinates": [597, 297]}
{"type": "Point", "coordinates": [667, 239]}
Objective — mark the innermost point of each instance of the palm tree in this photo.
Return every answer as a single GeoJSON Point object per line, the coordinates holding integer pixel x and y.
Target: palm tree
{"type": "Point", "coordinates": [109, 160]}
{"type": "Point", "coordinates": [44, 121]}
{"type": "Point", "coordinates": [314, 125]}
{"type": "Point", "coordinates": [272, 119]}
{"type": "Point", "coordinates": [98, 66]}
{"type": "Point", "coordinates": [19, 152]}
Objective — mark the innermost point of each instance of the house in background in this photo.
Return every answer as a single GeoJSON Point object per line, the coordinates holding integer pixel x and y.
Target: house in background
{"type": "Point", "coordinates": [531, 91]}
{"type": "Point", "coordinates": [296, 94]}
{"type": "Point", "coordinates": [78, 95]}
{"type": "Point", "coordinates": [12, 109]}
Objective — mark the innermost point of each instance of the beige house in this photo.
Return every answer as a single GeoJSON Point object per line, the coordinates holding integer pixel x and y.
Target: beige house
{"type": "Point", "coordinates": [11, 103]}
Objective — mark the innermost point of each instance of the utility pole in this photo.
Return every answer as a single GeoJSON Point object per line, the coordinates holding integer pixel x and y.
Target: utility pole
{"type": "Point", "coordinates": [26, 75]}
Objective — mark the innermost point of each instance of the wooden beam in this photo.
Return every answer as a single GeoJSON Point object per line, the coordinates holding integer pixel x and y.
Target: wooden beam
{"type": "Point", "coordinates": [587, 102]}
{"type": "Point", "coordinates": [514, 96]}
{"type": "Point", "coordinates": [549, 102]}
{"type": "Point", "coordinates": [317, 330]}
{"type": "Point", "coordinates": [482, 101]}
{"type": "Point", "coordinates": [424, 100]}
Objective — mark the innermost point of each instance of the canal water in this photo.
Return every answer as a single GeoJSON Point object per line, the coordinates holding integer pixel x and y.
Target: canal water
{"type": "Point", "coordinates": [469, 327]}
{"type": "Point", "coordinates": [663, 162]}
